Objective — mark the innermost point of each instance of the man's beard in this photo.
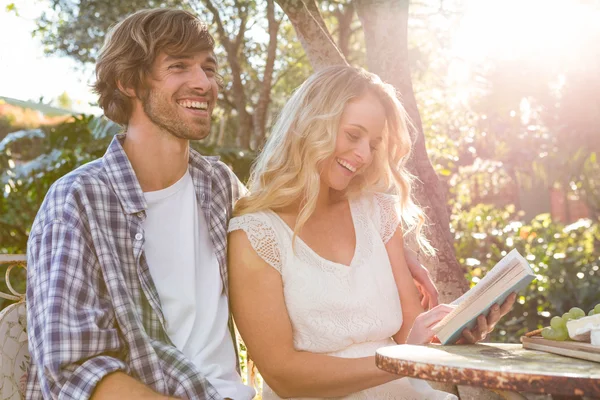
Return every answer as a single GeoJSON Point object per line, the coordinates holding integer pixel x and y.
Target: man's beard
{"type": "Point", "coordinates": [164, 115]}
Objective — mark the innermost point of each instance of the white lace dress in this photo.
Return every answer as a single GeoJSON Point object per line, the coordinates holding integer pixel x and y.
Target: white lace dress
{"type": "Point", "coordinates": [344, 311]}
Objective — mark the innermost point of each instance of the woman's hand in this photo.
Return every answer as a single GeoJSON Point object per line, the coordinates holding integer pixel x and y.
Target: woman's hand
{"type": "Point", "coordinates": [486, 325]}
{"type": "Point", "coordinates": [421, 331]}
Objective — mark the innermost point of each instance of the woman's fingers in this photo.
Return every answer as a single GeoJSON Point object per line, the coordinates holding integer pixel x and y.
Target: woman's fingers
{"type": "Point", "coordinates": [421, 331]}
{"type": "Point", "coordinates": [482, 327]}
{"type": "Point", "coordinates": [486, 325]}
{"type": "Point", "coordinates": [507, 305]}
{"type": "Point", "coordinates": [468, 336]}
{"type": "Point", "coordinates": [497, 312]}
{"type": "Point", "coordinates": [433, 316]}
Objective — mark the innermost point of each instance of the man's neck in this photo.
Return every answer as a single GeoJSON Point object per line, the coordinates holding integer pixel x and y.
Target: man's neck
{"type": "Point", "coordinates": [158, 158]}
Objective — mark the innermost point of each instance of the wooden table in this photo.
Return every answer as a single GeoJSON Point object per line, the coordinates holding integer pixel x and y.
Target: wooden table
{"type": "Point", "coordinates": [506, 367]}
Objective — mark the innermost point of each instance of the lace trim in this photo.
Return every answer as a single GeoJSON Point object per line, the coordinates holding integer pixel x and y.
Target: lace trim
{"type": "Point", "coordinates": [262, 238]}
{"type": "Point", "coordinates": [388, 215]}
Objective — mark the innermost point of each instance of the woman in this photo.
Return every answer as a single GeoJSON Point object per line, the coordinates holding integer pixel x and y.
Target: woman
{"type": "Point", "coordinates": [317, 274]}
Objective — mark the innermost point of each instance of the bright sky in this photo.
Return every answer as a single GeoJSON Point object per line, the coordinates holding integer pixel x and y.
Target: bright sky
{"type": "Point", "coordinates": [26, 73]}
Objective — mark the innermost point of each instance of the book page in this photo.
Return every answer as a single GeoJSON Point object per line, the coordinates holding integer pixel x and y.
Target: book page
{"type": "Point", "coordinates": [472, 307]}
{"type": "Point", "coordinates": [490, 276]}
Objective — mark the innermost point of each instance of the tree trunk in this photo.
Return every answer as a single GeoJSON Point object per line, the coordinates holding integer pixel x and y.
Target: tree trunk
{"type": "Point", "coordinates": [385, 24]}
{"type": "Point", "coordinates": [310, 29]}
{"type": "Point", "coordinates": [344, 15]}
{"type": "Point", "coordinates": [245, 122]}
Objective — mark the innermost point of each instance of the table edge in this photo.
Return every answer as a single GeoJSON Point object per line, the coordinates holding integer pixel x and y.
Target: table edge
{"type": "Point", "coordinates": [531, 383]}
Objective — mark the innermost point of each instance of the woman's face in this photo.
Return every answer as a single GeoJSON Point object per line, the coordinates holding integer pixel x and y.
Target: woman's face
{"type": "Point", "coordinates": [358, 137]}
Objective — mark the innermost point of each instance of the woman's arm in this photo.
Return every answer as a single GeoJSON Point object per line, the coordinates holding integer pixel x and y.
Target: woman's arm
{"type": "Point", "coordinates": [258, 307]}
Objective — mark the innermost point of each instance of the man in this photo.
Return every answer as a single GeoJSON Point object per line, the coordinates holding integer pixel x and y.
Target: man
{"type": "Point", "coordinates": [127, 282]}
{"type": "Point", "coordinates": [127, 275]}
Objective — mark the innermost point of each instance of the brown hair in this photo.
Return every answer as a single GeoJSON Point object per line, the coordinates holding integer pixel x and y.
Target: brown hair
{"type": "Point", "coordinates": [130, 48]}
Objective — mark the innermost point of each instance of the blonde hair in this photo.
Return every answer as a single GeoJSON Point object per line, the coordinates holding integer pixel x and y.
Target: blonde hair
{"type": "Point", "coordinates": [130, 48]}
{"type": "Point", "coordinates": [287, 170]}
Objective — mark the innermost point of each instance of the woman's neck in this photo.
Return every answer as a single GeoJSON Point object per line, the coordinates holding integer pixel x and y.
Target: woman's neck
{"type": "Point", "coordinates": [326, 200]}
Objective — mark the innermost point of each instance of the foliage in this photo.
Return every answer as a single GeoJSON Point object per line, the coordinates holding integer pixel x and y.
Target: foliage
{"type": "Point", "coordinates": [566, 260]}
{"type": "Point", "coordinates": [31, 160]}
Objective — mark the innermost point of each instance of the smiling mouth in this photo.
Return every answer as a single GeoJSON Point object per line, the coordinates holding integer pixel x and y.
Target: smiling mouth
{"type": "Point", "coordinates": [194, 105]}
{"type": "Point", "coordinates": [346, 165]}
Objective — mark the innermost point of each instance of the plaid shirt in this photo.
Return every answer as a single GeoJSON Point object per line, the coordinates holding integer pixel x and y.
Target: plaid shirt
{"type": "Point", "coordinates": [92, 307]}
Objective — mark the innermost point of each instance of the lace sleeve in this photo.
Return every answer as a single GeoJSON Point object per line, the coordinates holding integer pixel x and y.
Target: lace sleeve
{"type": "Point", "coordinates": [261, 236]}
{"type": "Point", "coordinates": [388, 218]}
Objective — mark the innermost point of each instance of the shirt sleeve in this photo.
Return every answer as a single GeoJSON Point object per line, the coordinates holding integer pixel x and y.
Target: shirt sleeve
{"type": "Point", "coordinates": [262, 237]}
{"type": "Point", "coordinates": [387, 216]}
{"type": "Point", "coordinates": [73, 338]}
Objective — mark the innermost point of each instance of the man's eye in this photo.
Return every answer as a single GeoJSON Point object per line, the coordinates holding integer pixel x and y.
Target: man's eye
{"type": "Point", "coordinates": [212, 70]}
{"type": "Point", "coordinates": [177, 66]}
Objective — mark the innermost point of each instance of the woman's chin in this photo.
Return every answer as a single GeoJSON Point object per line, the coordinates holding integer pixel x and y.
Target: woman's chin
{"type": "Point", "coordinates": [339, 186]}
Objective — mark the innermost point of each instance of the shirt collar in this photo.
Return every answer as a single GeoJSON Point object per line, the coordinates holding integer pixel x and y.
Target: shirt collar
{"type": "Point", "coordinates": [125, 183]}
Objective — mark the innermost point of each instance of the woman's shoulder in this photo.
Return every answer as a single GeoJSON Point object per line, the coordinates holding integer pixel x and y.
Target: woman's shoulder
{"type": "Point", "coordinates": [257, 218]}
{"type": "Point", "coordinates": [382, 208]}
{"type": "Point", "coordinates": [261, 236]}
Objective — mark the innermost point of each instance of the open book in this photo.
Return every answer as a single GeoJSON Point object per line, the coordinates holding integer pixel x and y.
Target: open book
{"type": "Point", "coordinates": [511, 274]}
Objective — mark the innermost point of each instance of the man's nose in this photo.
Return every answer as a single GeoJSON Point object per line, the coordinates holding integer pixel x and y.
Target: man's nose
{"type": "Point", "coordinates": [200, 80]}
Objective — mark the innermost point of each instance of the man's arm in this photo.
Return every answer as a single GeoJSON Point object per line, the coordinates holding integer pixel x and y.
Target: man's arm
{"type": "Point", "coordinates": [422, 279]}
{"type": "Point", "coordinates": [73, 340]}
{"type": "Point", "coordinates": [119, 385]}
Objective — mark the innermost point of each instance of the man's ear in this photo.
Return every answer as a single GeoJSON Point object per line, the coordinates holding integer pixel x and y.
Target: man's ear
{"type": "Point", "coordinates": [127, 91]}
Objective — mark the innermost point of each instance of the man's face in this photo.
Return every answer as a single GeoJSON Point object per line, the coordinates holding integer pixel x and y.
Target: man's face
{"type": "Point", "coordinates": [182, 94]}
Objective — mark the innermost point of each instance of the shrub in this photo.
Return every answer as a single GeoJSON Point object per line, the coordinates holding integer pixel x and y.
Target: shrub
{"type": "Point", "coordinates": [566, 260]}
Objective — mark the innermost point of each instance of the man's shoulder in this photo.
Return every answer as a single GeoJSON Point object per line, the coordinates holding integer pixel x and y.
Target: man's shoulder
{"type": "Point", "coordinates": [70, 195]}
{"type": "Point", "coordinates": [221, 169]}
{"type": "Point", "coordinates": [225, 176]}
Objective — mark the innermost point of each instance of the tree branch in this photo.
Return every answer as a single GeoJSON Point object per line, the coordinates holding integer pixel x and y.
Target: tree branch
{"type": "Point", "coordinates": [220, 29]}
{"type": "Point", "coordinates": [312, 33]}
{"type": "Point", "coordinates": [260, 113]}
{"type": "Point", "coordinates": [243, 20]}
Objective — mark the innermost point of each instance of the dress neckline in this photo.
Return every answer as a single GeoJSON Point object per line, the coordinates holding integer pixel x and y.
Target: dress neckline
{"type": "Point", "coordinates": [357, 241]}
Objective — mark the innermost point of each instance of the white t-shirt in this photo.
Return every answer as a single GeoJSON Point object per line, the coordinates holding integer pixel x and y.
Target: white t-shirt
{"type": "Point", "coordinates": [186, 274]}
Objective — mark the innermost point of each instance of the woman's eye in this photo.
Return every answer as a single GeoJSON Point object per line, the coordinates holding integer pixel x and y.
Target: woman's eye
{"type": "Point", "coordinates": [352, 136]}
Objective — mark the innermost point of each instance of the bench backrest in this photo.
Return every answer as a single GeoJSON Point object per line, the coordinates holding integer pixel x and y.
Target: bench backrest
{"type": "Point", "coordinates": [14, 353]}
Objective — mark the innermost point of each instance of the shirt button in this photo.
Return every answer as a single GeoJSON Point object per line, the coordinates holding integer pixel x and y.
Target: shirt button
{"type": "Point", "coordinates": [139, 236]}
